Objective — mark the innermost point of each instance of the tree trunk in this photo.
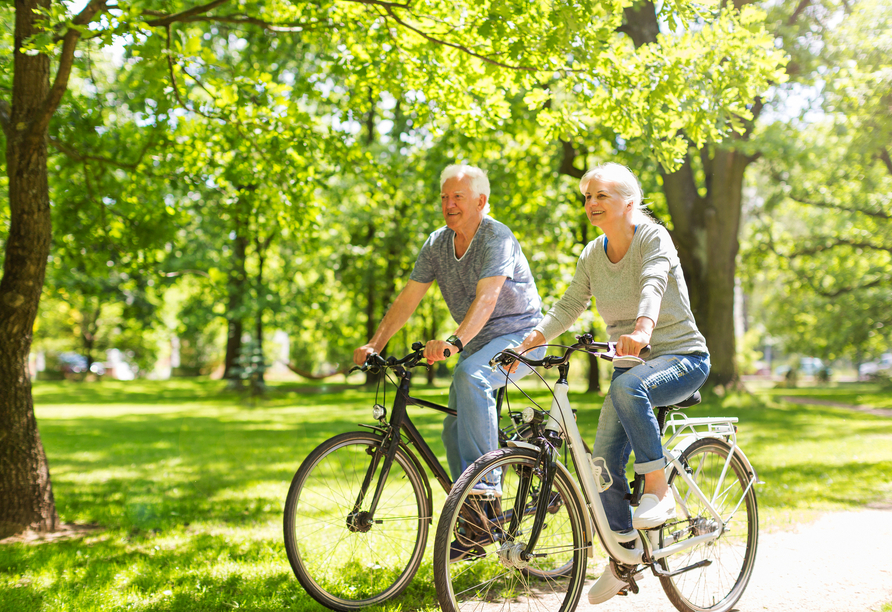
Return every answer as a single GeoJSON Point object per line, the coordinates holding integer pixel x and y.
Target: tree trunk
{"type": "Point", "coordinates": [26, 494]}
{"type": "Point", "coordinates": [261, 300]}
{"type": "Point", "coordinates": [371, 321]}
{"type": "Point", "coordinates": [237, 281]}
{"type": "Point", "coordinates": [706, 228]}
{"type": "Point", "coordinates": [706, 235]}
{"type": "Point", "coordinates": [90, 330]}
{"type": "Point", "coordinates": [433, 330]}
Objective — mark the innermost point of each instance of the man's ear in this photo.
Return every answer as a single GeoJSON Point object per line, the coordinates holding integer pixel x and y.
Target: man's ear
{"type": "Point", "coordinates": [481, 203]}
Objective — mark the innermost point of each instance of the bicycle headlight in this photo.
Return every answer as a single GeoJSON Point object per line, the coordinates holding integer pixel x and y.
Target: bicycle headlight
{"type": "Point", "coordinates": [379, 412]}
{"type": "Point", "coordinates": [529, 413]}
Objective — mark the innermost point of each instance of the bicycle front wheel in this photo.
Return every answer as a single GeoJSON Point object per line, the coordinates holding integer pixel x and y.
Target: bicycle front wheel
{"type": "Point", "coordinates": [716, 587]}
{"type": "Point", "coordinates": [492, 576]}
{"type": "Point", "coordinates": [345, 558]}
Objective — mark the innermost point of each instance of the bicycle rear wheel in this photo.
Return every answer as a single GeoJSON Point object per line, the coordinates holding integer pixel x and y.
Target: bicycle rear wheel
{"type": "Point", "coordinates": [552, 580]}
{"type": "Point", "coordinates": [346, 567]}
{"type": "Point", "coordinates": [719, 585]}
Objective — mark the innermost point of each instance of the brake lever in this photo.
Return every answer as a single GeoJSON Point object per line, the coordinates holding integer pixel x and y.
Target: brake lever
{"type": "Point", "coordinates": [502, 359]}
{"type": "Point", "coordinates": [627, 361]}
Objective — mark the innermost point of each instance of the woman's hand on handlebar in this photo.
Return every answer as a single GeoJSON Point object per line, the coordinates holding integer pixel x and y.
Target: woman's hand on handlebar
{"type": "Point", "coordinates": [632, 344]}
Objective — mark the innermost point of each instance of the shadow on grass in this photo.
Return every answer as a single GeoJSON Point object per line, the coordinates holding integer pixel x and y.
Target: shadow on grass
{"type": "Point", "coordinates": [177, 391]}
{"type": "Point", "coordinates": [180, 571]}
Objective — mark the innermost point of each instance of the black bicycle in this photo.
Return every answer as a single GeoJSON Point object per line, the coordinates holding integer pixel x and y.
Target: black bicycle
{"type": "Point", "coordinates": [360, 505]}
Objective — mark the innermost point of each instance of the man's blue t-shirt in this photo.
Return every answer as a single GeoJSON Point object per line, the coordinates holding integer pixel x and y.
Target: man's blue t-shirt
{"type": "Point", "coordinates": [494, 251]}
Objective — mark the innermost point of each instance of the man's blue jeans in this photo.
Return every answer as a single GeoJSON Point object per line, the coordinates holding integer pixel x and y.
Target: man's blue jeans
{"type": "Point", "coordinates": [475, 431]}
{"type": "Point", "coordinates": [628, 422]}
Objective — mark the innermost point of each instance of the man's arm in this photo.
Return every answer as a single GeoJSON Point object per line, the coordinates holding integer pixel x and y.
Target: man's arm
{"type": "Point", "coordinates": [403, 307]}
{"type": "Point", "coordinates": [487, 294]}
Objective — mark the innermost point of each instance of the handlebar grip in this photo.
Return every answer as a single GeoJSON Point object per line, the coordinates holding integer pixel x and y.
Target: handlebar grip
{"type": "Point", "coordinates": [446, 353]}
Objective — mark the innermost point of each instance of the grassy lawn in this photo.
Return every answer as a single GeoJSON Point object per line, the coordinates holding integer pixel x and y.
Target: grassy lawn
{"type": "Point", "coordinates": [187, 483]}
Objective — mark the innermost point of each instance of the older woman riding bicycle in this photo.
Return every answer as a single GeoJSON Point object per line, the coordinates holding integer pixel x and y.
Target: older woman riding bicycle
{"type": "Point", "coordinates": [634, 275]}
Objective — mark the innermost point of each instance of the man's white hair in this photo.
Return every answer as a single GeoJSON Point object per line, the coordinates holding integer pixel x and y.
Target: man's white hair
{"type": "Point", "coordinates": [479, 181]}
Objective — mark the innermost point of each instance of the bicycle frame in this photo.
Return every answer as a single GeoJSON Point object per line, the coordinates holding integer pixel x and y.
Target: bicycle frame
{"type": "Point", "coordinates": [400, 425]}
{"type": "Point", "coordinates": [561, 419]}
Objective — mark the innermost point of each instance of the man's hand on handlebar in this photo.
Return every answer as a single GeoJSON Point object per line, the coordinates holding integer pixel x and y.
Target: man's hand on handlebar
{"type": "Point", "coordinates": [438, 350]}
{"type": "Point", "coordinates": [362, 353]}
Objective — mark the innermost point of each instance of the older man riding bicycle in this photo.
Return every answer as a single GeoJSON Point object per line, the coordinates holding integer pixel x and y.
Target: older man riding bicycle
{"type": "Point", "coordinates": [487, 285]}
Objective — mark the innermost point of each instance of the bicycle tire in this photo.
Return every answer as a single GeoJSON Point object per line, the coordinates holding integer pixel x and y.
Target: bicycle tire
{"type": "Point", "coordinates": [346, 569]}
{"type": "Point", "coordinates": [719, 585]}
{"type": "Point", "coordinates": [466, 585]}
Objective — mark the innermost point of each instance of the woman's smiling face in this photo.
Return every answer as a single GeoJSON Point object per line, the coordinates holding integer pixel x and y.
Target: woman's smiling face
{"type": "Point", "coordinates": [604, 206]}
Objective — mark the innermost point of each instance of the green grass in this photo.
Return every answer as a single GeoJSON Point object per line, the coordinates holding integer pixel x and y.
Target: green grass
{"type": "Point", "coordinates": [187, 484]}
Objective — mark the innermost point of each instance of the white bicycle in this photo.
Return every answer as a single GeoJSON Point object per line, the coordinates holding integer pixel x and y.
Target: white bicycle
{"type": "Point", "coordinates": [529, 547]}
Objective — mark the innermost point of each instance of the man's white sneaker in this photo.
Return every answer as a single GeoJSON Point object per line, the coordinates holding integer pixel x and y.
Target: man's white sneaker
{"type": "Point", "coordinates": [653, 512]}
{"type": "Point", "coordinates": [608, 585]}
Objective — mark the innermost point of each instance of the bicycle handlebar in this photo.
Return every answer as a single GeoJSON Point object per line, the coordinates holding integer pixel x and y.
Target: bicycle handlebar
{"type": "Point", "coordinates": [374, 362]}
{"type": "Point", "coordinates": [585, 343]}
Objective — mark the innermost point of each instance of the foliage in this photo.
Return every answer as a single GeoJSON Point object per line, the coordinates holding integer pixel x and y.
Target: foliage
{"type": "Point", "coordinates": [820, 248]}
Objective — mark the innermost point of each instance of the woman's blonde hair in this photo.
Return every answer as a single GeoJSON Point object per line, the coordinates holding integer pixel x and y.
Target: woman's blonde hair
{"type": "Point", "coordinates": [626, 184]}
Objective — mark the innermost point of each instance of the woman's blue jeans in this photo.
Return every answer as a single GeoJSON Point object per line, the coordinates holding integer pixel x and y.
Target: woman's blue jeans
{"type": "Point", "coordinates": [628, 422]}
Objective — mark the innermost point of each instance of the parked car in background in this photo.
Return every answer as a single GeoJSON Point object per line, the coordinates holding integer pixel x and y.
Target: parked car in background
{"type": "Point", "coordinates": [808, 366]}
{"type": "Point", "coordinates": [72, 363]}
{"type": "Point", "coordinates": [873, 369]}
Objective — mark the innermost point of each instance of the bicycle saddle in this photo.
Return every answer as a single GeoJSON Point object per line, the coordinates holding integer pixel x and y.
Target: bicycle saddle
{"type": "Point", "coordinates": [691, 401]}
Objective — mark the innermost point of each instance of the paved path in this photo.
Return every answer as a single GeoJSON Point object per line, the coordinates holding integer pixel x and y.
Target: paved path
{"type": "Point", "coordinates": [840, 563]}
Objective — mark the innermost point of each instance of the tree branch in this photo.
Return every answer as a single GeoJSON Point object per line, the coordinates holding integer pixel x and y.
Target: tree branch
{"type": "Point", "coordinates": [832, 243]}
{"type": "Point", "coordinates": [166, 20]}
{"type": "Point", "coordinates": [799, 10]}
{"type": "Point", "coordinates": [38, 128]}
{"type": "Point", "coordinates": [69, 151]}
{"type": "Point", "coordinates": [310, 375]}
{"type": "Point", "coordinates": [569, 156]}
{"type": "Point", "coordinates": [461, 48]}
{"type": "Point", "coordinates": [5, 111]}
{"type": "Point", "coordinates": [884, 156]}
{"type": "Point", "coordinates": [266, 25]}
{"type": "Point", "coordinates": [851, 288]}
{"type": "Point", "coordinates": [870, 213]}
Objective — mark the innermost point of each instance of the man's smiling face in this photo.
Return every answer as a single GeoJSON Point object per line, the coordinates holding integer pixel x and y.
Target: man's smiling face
{"type": "Point", "coordinates": [462, 208]}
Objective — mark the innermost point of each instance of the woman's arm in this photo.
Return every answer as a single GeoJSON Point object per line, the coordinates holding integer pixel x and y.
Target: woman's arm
{"type": "Point", "coordinates": [656, 261]}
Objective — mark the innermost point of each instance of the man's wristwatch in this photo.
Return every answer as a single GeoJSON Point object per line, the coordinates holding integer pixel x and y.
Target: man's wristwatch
{"type": "Point", "coordinates": [454, 341]}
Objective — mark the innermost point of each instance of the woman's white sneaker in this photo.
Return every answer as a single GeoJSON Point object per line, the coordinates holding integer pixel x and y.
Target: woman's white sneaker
{"type": "Point", "coordinates": [653, 512]}
{"type": "Point", "coordinates": [608, 585]}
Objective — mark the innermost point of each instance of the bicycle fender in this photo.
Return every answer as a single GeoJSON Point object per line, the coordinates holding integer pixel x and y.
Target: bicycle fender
{"type": "Point", "coordinates": [519, 444]}
{"type": "Point", "coordinates": [747, 464]}
{"type": "Point", "coordinates": [687, 441]}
